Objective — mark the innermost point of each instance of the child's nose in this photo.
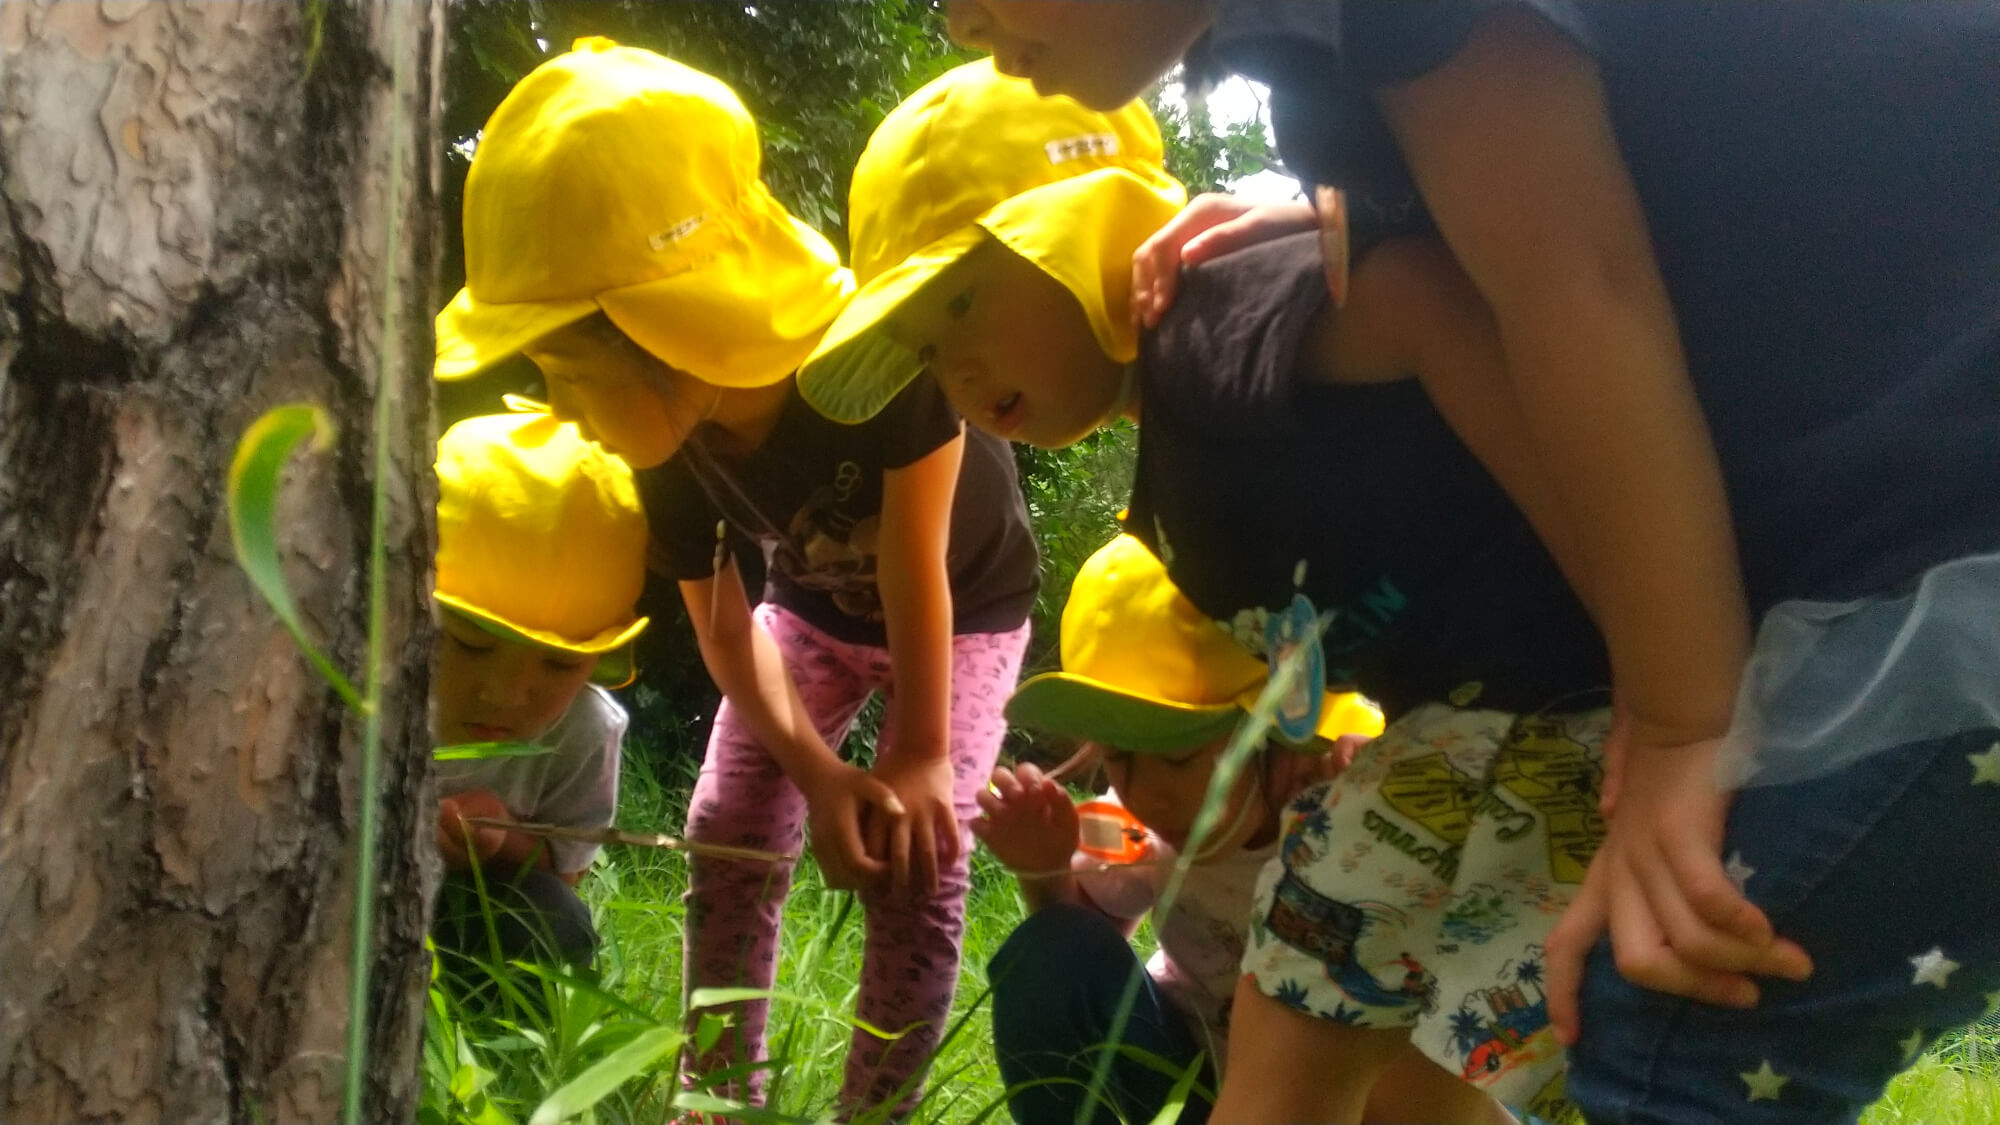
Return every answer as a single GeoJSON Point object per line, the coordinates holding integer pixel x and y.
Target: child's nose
{"type": "Point", "coordinates": [508, 681]}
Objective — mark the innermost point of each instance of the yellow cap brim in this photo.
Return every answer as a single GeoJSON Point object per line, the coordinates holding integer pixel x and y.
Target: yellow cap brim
{"type": "Point", "coordinates": [746, 317]}
{"type": "Point", "coordinates": [614, 637]}
{"type": "Point", "coordinates": [857, 369]}
{"type": "Point", "coordinates": [1342, 713]}
{"type": "Point", "coordinates": [1094, 711]}
{"type": "Point", "coordinates": [473, 336]}
{"type": "Point", "coordinates": [1081, 231]}
{"type": "Point", "coordinates": [616, 667]}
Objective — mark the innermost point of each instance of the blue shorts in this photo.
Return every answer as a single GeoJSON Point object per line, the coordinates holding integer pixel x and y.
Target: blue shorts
{"type": "Point", "coordinates": [1887, 871]}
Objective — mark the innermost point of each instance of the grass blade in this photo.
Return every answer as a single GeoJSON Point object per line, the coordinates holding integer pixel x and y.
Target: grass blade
{"type": "Point", "coordinates": [252, 493]}
{"type": "Point", "coordinates": [1178, 1096]}
{"type": "Point", "coordinates": [595, 1084]}
{"type": "Point", "coordinates": [479, 751]}
{"type": "Point", "coordinates": [717, 997]}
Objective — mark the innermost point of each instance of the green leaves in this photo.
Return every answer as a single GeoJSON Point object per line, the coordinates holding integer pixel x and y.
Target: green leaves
{"type": "Point", "coordinates": [1177, 1097]}
{"type": "Point", "coordinates": [254, 478]}
{"type": "Point", "coordinates": [716, 997]}
{"type": "Point", "coordinates": [594, 1085]}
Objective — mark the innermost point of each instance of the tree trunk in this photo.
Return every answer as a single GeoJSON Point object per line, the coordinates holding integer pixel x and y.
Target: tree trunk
{"type": "Point", "coordinates": [209, 209]}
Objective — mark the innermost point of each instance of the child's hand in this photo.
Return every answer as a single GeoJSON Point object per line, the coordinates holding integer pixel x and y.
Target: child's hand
{"type": "Point", "coordinates": [1677, 923]}
{"type": "Point", "coordinates": [1208, 227]}
{"type": "Point", "coordinates": [1028, 821]}
{"type": "Point", "coordinates": [839, 797]}
{"type": "Point", "coordinates": [458, 841]}
{"type": "Point", "coordinates": [925, 840]}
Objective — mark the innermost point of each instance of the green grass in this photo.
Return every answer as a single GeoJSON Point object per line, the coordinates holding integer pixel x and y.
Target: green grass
{"type": "Point", "coordinates": [523, 1037]}
{"type": "Point", "coordinates": [1956, 1083]}
{"type": "Point", "coordinates": [495, 1059]}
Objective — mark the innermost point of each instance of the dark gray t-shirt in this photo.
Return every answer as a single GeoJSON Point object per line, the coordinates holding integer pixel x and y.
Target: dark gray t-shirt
{"type": "Point", "coordinates": [1258, 485]}
{"type": "Point", "coordinates": [1822, 185]}
{"type": "Point", "coordinates": [810, 499]}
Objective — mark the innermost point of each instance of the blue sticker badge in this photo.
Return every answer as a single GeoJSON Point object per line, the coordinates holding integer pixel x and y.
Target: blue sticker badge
{"type": "Point", "coordinates": [1296, 630]}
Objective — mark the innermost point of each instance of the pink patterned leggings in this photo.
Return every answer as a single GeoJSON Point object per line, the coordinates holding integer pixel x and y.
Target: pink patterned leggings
{"type": "Point", "coordinates": [910, 967]}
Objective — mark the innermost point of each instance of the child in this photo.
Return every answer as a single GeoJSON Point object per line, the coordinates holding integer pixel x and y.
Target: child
{"type": "Point", "coordinates": [1459, 832]}
{"type": "Point", "coordinates": [540, 560]}
{"type": "Point", "coordinates": [1804, 242]}
{"type": "Point", "coordinates": [618, 234]}
{"type": "Point", "coordinates": [1158, 691]}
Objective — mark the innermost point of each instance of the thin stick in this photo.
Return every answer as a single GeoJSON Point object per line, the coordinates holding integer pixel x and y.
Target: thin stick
{"type": "Point", "coordinates": [635, 839]}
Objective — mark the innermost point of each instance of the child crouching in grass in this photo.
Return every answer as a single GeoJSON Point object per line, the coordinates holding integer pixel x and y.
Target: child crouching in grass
{"type": "Point", "coordinates": [540, 561]}
{"type": "Point", "coordinates": [1158, 691]}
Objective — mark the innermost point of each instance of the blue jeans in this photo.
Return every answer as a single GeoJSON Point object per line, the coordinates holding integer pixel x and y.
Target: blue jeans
{"type": "Point", "coordinates": [1888, 873]}
{"type": "Point", "coordinates": [1056, 985]}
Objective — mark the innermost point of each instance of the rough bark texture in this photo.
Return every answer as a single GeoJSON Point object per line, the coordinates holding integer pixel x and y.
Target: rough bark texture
{"type": "Point", "coordinates": [196, 227]}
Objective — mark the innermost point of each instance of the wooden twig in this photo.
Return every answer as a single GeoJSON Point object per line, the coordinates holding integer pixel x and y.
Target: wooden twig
{"type": "Point", "coordinates": [634, 839]}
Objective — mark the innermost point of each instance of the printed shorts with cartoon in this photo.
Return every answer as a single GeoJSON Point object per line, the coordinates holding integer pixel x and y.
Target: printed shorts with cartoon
{"type": "Point", "coordinates": [1416, 890]}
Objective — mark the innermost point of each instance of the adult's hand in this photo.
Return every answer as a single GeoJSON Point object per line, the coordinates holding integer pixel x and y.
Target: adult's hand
{"type": "Point", "coordinates": [1210, 226]}
{"type": "Point", "coordinates": [1659, 887]}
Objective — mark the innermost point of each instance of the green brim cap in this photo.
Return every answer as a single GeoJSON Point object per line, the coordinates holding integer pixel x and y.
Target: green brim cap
{"type": "Point", "coordinates": [616, 667]}
{"type": "Point", "coordinates": [1082, 708]}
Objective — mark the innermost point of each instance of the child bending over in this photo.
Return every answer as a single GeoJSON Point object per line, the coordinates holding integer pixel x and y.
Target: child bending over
{"type": "Point", "coordinates": [618, 234]}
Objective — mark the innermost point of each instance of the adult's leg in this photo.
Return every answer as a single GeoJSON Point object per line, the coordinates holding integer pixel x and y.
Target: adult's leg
{"type": "Point", "coordinates": [910, 967]}
{"type": "Point", "coordinates": [1057, 982]}
{"type": "Point", "coordinates": [1888, 873]}
{"type": "Point", "coordinates": [742, 798]}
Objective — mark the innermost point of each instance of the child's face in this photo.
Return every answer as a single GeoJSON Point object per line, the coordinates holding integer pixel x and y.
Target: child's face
{"type": "Point", "coordinates": [1011, 348]}
{"type": "Point", "coordinates": [1103, 53]}
{"type": "Point", "coordinates": [618, 394]}
{"type": "Point", "coordinates": [487, 689]}
{"type": "Point", "coordinates": [1165, 792]}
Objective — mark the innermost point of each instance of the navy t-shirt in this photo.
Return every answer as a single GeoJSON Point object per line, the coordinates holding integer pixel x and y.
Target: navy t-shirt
{"type": "Point", "coordinates": [1822, 185]}
{"type": "Point", "coordinates": [810, 499]}
{"type": "Point", "coordinates": [1258, 484]}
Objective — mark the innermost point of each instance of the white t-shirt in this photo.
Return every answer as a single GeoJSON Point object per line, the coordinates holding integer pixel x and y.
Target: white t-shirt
{"type": "Point", "coordinates": [1202, 936]}
{"type": "Point", "coordinates": [574, 785]}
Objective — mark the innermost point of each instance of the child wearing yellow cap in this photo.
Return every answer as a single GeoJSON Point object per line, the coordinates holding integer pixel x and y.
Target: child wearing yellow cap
{"type": "Point", "coordinates": [1293, 476]}
{"type": "Point", "coordinates": [618, 235]}
{"type": "Point", "coordinates": [540, 560]}
{"type": "Point", "coordinates": [1155, 691]}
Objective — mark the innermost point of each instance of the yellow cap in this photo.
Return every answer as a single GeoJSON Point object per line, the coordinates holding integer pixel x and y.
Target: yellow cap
{"type": "Point", "coordinates": [541, 537]}
{"type": "Point", "coordinates": [977, 154]}
{"type": "Point", "coordinates": [1144, 670]}
{"type": "Point", "coordinates": [615, 178]}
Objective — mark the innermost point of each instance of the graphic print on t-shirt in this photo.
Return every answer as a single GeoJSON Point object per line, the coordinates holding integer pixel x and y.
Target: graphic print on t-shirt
{"type": "Point", "coordinates": [825, 548]}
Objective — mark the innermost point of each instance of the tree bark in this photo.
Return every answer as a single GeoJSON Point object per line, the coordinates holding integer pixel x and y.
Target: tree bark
{"type": "Point", "coordinates": [209, 209]}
